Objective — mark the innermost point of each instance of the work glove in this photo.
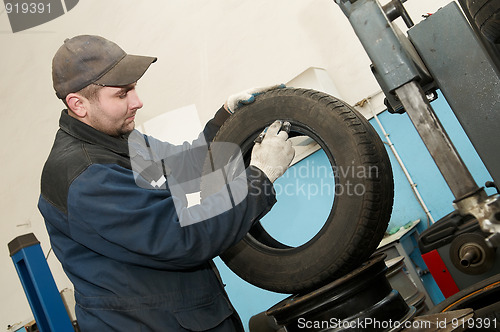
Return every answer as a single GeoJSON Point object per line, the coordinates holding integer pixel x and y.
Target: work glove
{"type": "Point", "coordinates": [274, 154]}
{"type": "Point", "coordinates": [247, 97]}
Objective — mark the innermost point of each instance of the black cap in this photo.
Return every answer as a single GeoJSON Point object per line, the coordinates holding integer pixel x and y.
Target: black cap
{"type": "Point", "coordinates": [87, 59]}
{"type": "Point", "coordinates": [21, 242]}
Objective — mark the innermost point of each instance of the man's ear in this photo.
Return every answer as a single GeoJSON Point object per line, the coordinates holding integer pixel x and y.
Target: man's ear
{"type": "Point", "coordinates": [76, 104]}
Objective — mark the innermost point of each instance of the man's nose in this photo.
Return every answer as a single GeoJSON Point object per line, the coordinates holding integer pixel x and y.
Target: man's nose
{"type": "Point", "coordinates": [135, 101]}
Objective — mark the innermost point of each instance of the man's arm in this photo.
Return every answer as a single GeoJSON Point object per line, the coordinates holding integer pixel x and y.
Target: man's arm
{"type": "Point", "coordinates": [110, 214]}
{"type": "Point", "coordinates": [213, 126]}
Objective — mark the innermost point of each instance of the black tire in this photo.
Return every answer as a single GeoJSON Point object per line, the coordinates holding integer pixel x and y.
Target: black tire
{"type": "Point", "coordinates": [483, 297]}
{"type": "Point", "coordinates": [356, 223]}
{"type": "Point", "coordinates": [486, 15]}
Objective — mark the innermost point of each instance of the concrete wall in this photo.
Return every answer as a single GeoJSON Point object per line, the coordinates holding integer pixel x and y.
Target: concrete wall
{"type": "Point", "coordinates": [206, 49]}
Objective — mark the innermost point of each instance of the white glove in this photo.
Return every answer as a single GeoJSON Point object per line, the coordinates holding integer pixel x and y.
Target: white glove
{"type": "Point", "coordinates": [247, 97]}
{"type": "Point", "coordinates": [274, 154]}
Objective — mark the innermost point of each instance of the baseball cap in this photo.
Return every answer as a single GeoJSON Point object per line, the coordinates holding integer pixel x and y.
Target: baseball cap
{"type": "Point", "coordinates": [87, 59]}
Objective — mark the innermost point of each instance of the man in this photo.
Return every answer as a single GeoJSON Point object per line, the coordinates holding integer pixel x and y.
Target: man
{"type": "Point", "coordinates": [136, 262]}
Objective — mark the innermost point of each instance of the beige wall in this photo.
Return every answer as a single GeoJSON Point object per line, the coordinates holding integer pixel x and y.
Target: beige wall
{"type": "Point", "coordinates": [206, 49]}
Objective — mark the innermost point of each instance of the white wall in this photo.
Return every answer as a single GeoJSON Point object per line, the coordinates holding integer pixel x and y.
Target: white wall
{"type": "Point", "coordinates": [206, 49]}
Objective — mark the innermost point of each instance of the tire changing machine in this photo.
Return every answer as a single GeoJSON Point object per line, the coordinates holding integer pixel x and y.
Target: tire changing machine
{"type": "Point", "coordinates": [443, 52]}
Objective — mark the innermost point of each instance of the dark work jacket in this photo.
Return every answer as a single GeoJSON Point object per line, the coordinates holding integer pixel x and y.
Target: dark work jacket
{"type": "Point", "coordinates": [133, 266]}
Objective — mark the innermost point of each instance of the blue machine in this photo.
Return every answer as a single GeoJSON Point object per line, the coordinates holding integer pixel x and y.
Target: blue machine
{"type": "Point", "coordinates": [39, 286]}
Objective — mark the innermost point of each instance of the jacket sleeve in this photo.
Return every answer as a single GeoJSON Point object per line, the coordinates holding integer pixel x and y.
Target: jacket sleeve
{"type": "Point", "coordinates": [111, 215]}
{"type": "Point", "coordinates": [213, 126]}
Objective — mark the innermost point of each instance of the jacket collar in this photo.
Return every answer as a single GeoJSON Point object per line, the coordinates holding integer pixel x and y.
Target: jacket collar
{"type": "Point", "coordinates": [90, 135]}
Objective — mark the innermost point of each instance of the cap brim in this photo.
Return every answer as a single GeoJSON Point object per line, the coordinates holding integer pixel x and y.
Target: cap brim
{"type": "Point", "coordinates": [128, 70]}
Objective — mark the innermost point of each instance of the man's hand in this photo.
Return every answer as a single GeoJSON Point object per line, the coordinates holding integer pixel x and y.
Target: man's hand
{"type": "Point", "coordinates": [247, 97]}
{"type": "Point", "coordinates": [274, 154]}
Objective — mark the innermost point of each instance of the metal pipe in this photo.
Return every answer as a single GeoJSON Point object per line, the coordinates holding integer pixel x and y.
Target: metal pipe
{"type": "Point", "coordinates": [435, 138]}
{"type": "Point", "coordinates": [430, 219]}
{"type": "Point", "coordinates": [470, 255]}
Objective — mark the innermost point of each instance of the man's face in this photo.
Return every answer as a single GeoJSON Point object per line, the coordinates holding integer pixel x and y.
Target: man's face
{"type": "Point", "coordinates": [114, 111]}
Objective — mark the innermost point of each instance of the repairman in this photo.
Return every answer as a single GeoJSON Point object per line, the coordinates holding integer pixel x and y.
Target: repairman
{"type": "Point", "coordinates": [137, 261]}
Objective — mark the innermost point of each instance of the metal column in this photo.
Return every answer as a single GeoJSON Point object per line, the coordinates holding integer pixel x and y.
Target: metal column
{"type": "Point", "coordinates": [39, 286]}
